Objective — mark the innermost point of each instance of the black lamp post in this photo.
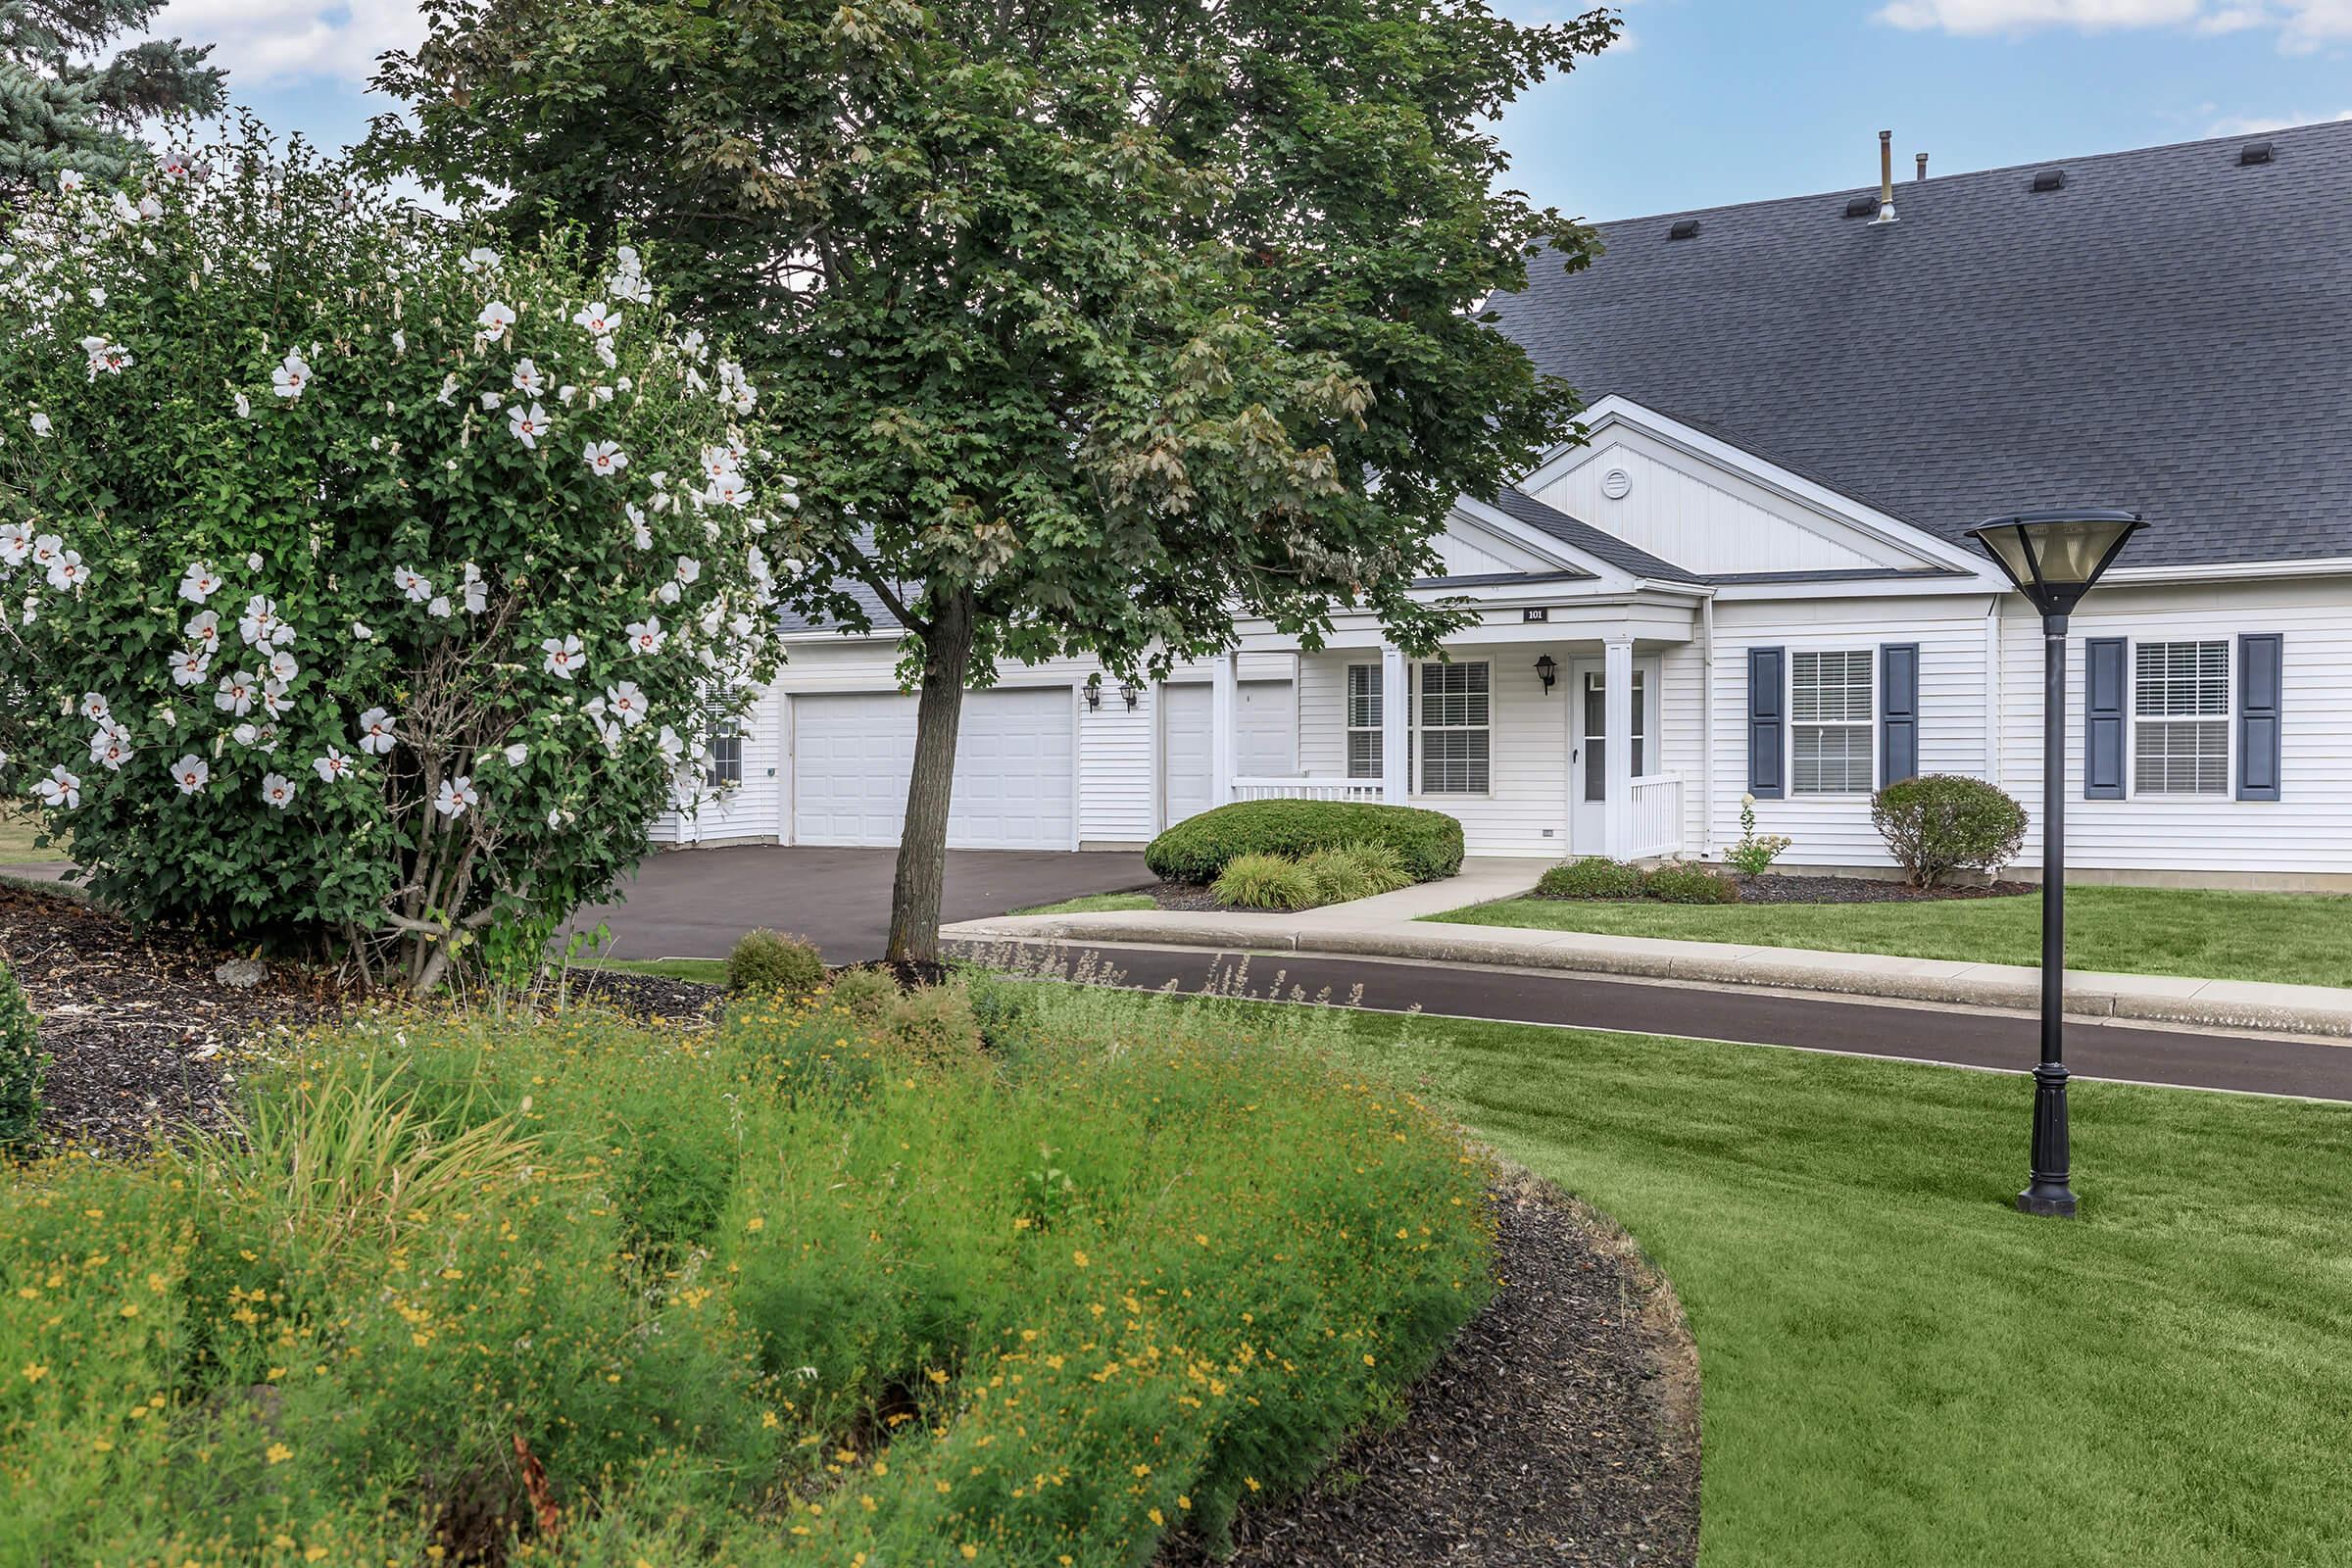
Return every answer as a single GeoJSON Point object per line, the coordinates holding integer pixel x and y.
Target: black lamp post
{"type": "Point", "coordinates": [2054, 556]}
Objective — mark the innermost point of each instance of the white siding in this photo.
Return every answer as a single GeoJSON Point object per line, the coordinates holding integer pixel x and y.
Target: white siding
{"type": "Point", "coordinates": [1835, 830]}
{"type": "Point", "coordinates": [1470, 550]}
{"type": "Point", "coordinates": [1709, 519]}
{"type": "Point", "coordinates": [2307, 831]}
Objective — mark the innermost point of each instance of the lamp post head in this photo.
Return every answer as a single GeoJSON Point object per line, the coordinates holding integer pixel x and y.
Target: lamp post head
{"type": "Point", "coordinates": [2054, 555]}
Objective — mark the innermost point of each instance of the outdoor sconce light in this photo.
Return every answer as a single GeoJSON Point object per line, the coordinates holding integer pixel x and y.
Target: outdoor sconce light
{"type": "Point", "coordinates": [2054, 558]}
{"type": "Point", "coordinates": [1546, 671]}
{"type": "Point", "coordinates": [1132, 693]}
{"type": "Point", "coordinates": [1093, 695]}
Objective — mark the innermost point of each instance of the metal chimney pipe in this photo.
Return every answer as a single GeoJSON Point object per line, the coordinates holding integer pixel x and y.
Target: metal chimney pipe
{"type": "Point", "coordinates": [1922, 164]}
{"type": "Point", "coordinates": [1886, 177]}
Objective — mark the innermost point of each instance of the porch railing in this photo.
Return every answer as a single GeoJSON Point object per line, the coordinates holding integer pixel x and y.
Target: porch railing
{"type": "Point", "coordinates": [1307, 789]}
{"type": "Point", "coordinates": [1654, 817]}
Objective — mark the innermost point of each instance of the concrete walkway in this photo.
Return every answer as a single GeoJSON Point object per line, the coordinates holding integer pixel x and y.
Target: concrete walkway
{"type": "Point", "coordinates": [1391, 926]}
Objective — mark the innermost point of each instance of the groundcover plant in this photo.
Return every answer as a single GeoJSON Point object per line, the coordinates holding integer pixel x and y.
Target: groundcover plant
{"type": "Point", "coordinates": [802, 1289]}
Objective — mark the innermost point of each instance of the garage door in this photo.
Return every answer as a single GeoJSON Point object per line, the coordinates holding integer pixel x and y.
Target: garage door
{"type": "Point", "coordinates": [1014, 783]}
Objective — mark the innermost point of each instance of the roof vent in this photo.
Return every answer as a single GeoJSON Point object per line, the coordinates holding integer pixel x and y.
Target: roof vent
{"type": "Point", "coordinates": [2254, 152]}
{"type": "Point", "coordinates": [1861, 206]}
{"type": "Point", "coordinates": [1683, 229]}
{"type": "Point", "coordinates": [2051, 179]}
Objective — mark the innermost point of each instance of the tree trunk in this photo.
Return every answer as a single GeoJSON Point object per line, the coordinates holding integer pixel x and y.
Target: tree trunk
{"type": "Point", "coordinates": [923, 840]}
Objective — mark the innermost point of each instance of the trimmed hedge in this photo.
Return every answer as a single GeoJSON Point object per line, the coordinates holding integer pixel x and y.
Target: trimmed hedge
{"type": "Point", "coordinates": [1596, 876]}
{"type": "Point", "coordinates": [1938, 823]}
{"type": "Point", "coordinates": [765, 963]}
{"type": "Point", "coordinates": [1196, 849]}
{"type": "Point", "coordinates": [1678, 883]}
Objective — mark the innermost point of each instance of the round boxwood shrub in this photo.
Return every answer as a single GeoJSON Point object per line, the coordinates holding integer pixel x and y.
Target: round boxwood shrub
{"type": "Point", "coordinates": [763, 963]}
{"type": "Point", "coordinates": [1265, 882]}
{"type": "Point", "coordinates": [1941, 822]}
{"type": "Point", "coordinates": [22, 1067]}
{"type": "Point", "coordinates": [1427, 842]}
{"type": "Point", "coordinates": [1678, 883]}
{"type": "Point", "coordinates": [1596, 876]}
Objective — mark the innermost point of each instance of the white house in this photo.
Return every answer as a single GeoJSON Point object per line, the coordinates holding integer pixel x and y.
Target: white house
{"type": "Point", "coordinates": [1752, 576]}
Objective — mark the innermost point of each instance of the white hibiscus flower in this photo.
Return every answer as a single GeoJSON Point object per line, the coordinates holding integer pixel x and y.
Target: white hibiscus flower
{"type": "Point", "coordinates": [640, 533]}
{"type": "Point", "coordinates": [110, 746]}
{"type": "Point", "coordinates": [16, 544]}
{"type": "Point", "coordinates": [608, 728]}
{"type": "Point", "coordinates": [672, 745]}
{"type": "Point", "coordinates": [729, 490]}
{"type": "Point", "coordinates": [516, 755]}
{"type": "Point", "coordinates": [237, 693]}
{"type": "Point", "coordinates": [564, 659]}
{"type": "Point", "coordinates": [439, 608]}
{"type": "Point", "coordinates": [244, 407]}
{"type": "Point", "coordinates": [606, 458]}
{"type": "Point", "coordinates": [278, 791]}
{"type": "Point", "coordinates": [47, 550]}
{"type": "Point", "coordinates": [495, 318]}
{"type": "Point", "coordinates": [67, 572]}
{"type": "Point", "coordinates": [482, 259]}
{"type": "Point", "coordinates": [61, 788]}
{"type": "Point", "coordinates": [688, 570]}
{"type": "Point", "coordinates": [595, 320]}
{"type": "Point", "coordinates": [376, 735]}
{"type": "Point", "coordinates": [205, 628]}
{"type": "Point", "coordinates": [199, 582]}
{"type": "Point", "coordinates": [106, 358]}
{"type": "Point", "coordinates": [41, 426]}
{"type": "Point", "coordinates": [291, 376]}
{"type": "Point", "coordinates": [191, 773]}
{"type": "Point", "coordinates": [282, 667]}
{"type": "Point", "coordinates": [189, 665]}
{"type": "Point", "coordinates": [274, 699]}
{"type": "Point", "coordinates": [400, 341]}
{"type": "Point", "coordinates": [476, 590]}
{"type": "Point", "coordinates": [246, 734]}
{"type": "Point", "coordinates": [258, 625]}
{"type": "Point", "coordinates": [456, 793]}
{"type": "Point", "coordinates": [413, 585]}
{"type": "Point", "coordinates": [527, 380]}
{"type": "Point", "coordinates": [647, 636]}
{"type": "Point", "coordinates": [527, 424]}
{"type": "Point", "coordinates": [626, 703]}
{"type": "Point", "coordinates": [493, 400]}
{"type": "Point", "coordinates": [331, 768]}
{"type": "Point", "coordinates": [449, 391]}
{"type": "Point", "coordinates": [95, 708]}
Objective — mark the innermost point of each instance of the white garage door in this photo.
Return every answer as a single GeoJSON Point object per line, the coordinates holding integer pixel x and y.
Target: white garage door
{"type": "Point", "coordinates": [1014, 784]}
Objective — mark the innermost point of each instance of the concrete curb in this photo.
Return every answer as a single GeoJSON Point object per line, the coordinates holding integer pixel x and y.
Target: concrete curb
{"type": "Point", "coordinates": [2319, 1011]}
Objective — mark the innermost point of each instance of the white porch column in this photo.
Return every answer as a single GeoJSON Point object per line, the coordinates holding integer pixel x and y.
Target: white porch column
{"type": "Point", "coordinates": [1616, 812]}
{"type": "Point", "coordinates": [1396, 712]}
{"type": "Point", "coordinates": [1224, 719]}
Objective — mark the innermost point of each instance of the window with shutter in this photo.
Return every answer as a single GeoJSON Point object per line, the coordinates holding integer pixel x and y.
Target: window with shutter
{"type": "Point", "coordinates": [1831, 718]}
{"type": "Point", "coordinates": [1364, 721]}
{"type": "Point", "coordinates": [2180, 719]}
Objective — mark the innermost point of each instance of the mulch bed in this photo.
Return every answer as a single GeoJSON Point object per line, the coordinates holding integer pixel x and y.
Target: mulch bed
{"type": "Point", "coordinates": [138, 1030]}
{"type": "Point", "coordinates": [1561, 1426]}
{"type": "Point", "coordinates": [1776, 889]}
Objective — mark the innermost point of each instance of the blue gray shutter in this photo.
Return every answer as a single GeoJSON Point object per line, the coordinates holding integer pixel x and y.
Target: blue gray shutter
{"type": "Point", "coordinates": [2104, 693]}
{"type": "Point", "coordinates": [1898, 712]}
{"type": "Point", "coordinates": [1767, 692]}
{"type": "Point", "coordinates": [2260, 656]}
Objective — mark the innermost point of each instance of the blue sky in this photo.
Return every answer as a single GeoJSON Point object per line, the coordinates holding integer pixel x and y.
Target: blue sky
{"type": "Point", "coordinates": [1705, 102]}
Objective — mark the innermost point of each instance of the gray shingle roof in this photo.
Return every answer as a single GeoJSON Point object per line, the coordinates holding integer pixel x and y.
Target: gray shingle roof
{"type": "Point", "coordinates": [2171, 331]}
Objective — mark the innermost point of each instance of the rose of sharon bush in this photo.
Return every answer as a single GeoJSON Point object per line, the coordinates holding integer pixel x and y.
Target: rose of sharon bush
{"type": "Point", "coordinates": [361, 583]}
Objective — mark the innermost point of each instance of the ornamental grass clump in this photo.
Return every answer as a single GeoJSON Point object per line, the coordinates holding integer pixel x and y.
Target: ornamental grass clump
{"type": "Point", "coordinates": [23, 1069]}
{"type": "Point", "coordinates": [788, 1291]}
{"type": "Point", "coordinates": [364, 583]}
{"type": "Point", "coordinates": [1265, 882]}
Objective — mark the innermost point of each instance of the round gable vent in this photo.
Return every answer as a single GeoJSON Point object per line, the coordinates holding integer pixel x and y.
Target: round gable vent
{"type": "Point", "coordinates": [1616, 484]}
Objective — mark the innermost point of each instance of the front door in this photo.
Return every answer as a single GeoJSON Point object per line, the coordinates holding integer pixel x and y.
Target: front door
{"type": "Point", "coordinates": [1589, 749]}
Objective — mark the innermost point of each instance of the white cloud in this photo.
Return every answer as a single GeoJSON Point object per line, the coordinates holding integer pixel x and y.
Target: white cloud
{"type": "Point", "coordinates": [2301, 24]}
{"type": "Point", "coordinates": [2254, 124]}
{"type": "Point", "coordinates": [264, 42]}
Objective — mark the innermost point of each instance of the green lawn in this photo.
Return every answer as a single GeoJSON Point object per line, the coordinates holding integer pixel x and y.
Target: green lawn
{"type": "Point", "coordinates": [1896, 1367]}
{"type": "Point", "coordinates": [1093, 903]}
{"type": "Point", "coordinates": [703, 971]}
{"type": "Point", "coordinates": [2298, 937]}
{"type": "Point", "coordinates": [16, 841]}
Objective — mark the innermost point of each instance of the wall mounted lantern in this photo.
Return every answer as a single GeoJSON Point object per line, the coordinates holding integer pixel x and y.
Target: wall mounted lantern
{"type": "Point", "coordinates": [1546, 671]}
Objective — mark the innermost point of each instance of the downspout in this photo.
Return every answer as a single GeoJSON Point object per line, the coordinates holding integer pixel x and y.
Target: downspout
{"type": "Point", "coordinates": [1707, 720]}
{"type": "Point", "coordinates": [1993, 690]}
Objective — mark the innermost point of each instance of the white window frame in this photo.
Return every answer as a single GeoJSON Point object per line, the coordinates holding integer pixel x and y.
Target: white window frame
{"type": "Point", "coordinates": [1376, 698]}
{"type": "Point", "coordinates": [2227, 718]}
{"type": "Point", "coordinates": [1417, 728]}
{"type": "Point", "coordinates": [717, 771]}
{"type": "Point", "coordinates": [1871, 657]}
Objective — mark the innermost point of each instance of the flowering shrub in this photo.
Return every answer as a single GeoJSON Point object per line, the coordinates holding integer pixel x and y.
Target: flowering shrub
{"type": "Point", "coordinates": [783, 1293]}
{"type": "Point", "coordinates": [1755, 852]}
{"type": "Point", "coordinates": [357, 582]}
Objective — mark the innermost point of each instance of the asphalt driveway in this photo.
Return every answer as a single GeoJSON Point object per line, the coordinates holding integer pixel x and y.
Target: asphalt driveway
{"type": "Point", "coordinates": [693, 904]}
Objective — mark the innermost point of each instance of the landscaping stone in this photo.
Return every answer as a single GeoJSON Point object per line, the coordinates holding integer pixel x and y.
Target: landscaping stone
{"type": "Point", "coordinates": [241, 974]}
